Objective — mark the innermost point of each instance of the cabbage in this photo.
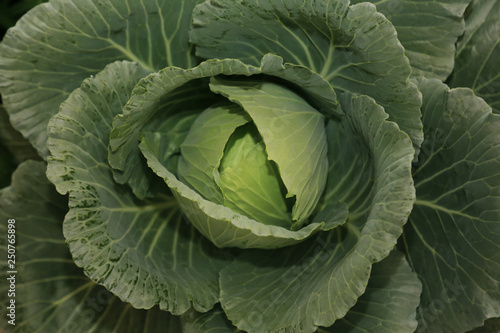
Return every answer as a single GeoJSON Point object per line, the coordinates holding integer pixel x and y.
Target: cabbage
{"type": "Point", "coordinates": [251, 166]}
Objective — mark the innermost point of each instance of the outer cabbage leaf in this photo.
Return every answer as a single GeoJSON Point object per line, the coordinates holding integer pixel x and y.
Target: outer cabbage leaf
{"type": "Point", "coordinates": [428, 31]}
{"type": "Point", "coordinates": [52, 293]}
{"type": "Point", "coordinates": [12, 10]}
{"type": "Point", "coordinates": [142, 251]}
{"type": "Point", "coordinates": [163, 95]}
{"type": "Point", "coordinates": [19, 147]}
{"type": "Point", "coordinates": [58, 44]}
{"type": "Point", "coordinates": [315, 282]}
{"type": "Point", "coordinates": [175, 107]}
{"type": "Point", "coordinates": [478, 53]}
{"type": "Point", "coordinates": [353, 47]}
{"type": "Point", "coordinates": [452, 239]}
{"type": "Point", "coordinates": [14, 149]}
{"type": "Point", "coordinates": [389, 303]}
{"type": "Point", "coordinates": [490, 326]}
{"type": "Point", "coordinates": [214, 321]}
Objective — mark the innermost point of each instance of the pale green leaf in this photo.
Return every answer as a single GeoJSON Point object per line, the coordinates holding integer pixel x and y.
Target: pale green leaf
{"type": "Point", "coordinates": [142, 251]}
{"type": "Point", "coordinates": [317, 91]}
{"type": "Point", "coordinates": [353, 47]}
{"type": "Point", "coordinates": [314, 283]}
{"type": "Point", "coordinates": [52, 293]}
{"type": "Point", "coordinates": [478, 53]}
{"type": "Point", "coordinates": [251, 184]}
{"type": "Point", "coordinates": [452, 239]}
{"type": "Point", "coordinates": [203, 148]}
{"type": "Point", "coordinates": [293, 133]}
{"type": "Point", "coordinates": [58, 44]}
{"type": "Point", "coordinates": [223, 226]}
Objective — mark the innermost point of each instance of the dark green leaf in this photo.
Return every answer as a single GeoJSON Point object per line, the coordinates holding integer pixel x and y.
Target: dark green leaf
{"type": "Point", "coordinates": [389, 303]}
{"type": "Point", "coordinates": [214, 321]}
{"type": "Point", "coordinates": [18, 146]}
{"type": "Point", "coordinates": [478, 53]}
{"type": "Point", "coordinates": [428, 31]}
{"type": "Point", "coordinates": [490, 326]}
{"type": "Point", "coordinates": [354, 48]}
{"type": "Point", "coordinates": [58, 44]}
{"type": "Point", "coordinates": [52, 293]}
{"type": "Point", "coordinates": [7, 165]}
{"type": "Point", "coordinates": [142, 251]}
{"type": "Point", "coordinates": [452, 239]}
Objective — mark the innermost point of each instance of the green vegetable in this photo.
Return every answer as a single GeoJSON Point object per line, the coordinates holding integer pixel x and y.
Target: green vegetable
{"type": "Point", "coordinates": [252, 166]}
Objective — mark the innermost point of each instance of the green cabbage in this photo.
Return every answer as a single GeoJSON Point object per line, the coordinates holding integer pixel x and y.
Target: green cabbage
{"type": "Point", "coordinates": [252, 166]}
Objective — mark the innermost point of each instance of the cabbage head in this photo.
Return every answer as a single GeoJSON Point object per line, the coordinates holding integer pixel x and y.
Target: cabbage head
{"type": "Point", "coordinates": [252, 166]}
